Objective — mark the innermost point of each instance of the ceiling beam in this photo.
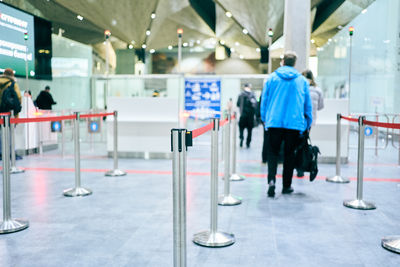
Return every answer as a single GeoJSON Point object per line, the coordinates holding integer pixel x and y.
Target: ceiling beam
{"type": "Point", "coordinates": [324, 11]}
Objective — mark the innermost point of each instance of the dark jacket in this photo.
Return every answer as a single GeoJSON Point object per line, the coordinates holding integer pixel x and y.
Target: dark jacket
{"type": "Point", "coordinates": [45, 100]}
{"type": "Point", "coordinates": [247, 104]}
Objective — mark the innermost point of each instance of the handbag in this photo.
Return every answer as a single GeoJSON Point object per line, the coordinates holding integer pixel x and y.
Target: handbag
{"type": "Point", "coordinates": [306, 156]}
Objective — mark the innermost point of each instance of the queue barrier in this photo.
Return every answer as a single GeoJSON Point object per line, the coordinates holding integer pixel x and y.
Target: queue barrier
{"type": "Point", "coordinates": [391, 243]}
{"type": "Point", "coordinates": [9, 225]}
{"type": "Point", "coordinates": [181, 139]}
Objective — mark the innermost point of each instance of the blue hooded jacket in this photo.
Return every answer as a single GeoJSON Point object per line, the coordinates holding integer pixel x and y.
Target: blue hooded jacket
{"type": "Point", "coordinates": [285, 101]}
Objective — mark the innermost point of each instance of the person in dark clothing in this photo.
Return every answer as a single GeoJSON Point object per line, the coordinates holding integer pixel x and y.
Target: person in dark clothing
{"type": "Point", "coordinates": [247, 104]}
{"type": "Point", "coordinates": [286, 111]}
{"type": "Point", "coordinates": [44, 99]}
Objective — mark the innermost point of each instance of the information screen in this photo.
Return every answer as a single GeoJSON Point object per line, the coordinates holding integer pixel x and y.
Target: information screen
{"type": "Point", "coordinates": [14, 49]}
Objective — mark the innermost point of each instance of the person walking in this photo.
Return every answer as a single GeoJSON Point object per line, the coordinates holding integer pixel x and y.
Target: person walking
{"type": "Point", "coordinates": [247, 104]}
{"type": "Point", "coordinates": [13, 102]}
{"type": "Point", "coordinates": [45, 100]}
{"type": "Point", "coordinates": [317, 101]}
{"type": "Point", "coordinates": [286, 111]}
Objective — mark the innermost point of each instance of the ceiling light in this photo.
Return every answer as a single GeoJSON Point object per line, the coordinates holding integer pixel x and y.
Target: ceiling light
{"type": "Point", "coordinates": [228, 14]}
{"type": "Point", "coordinates": [148, 32]}
{"type": "Point", "coordinates": [312, 41]}
{"type": "Point", "coordinates": [114, 22]}
{"type": "Point", "coordinates": [364, 11]}
{"type": "Point", "coordinates": [185, 44]}
{"type": "Point", "coordinates": [258, 49]}
{"type": "Point", "coordinates": [222, 42]}
{"type": "Point", "coordinates": [340, 27]}
{"type": "Point", "coordinates": [329, 40]}
{"type": "Point", "coordinates": [144, 46]}
{"type": "Point", "coordinates": [130, 46]}
{"type": "Point", "coordinates": [133, 42]}
{"type": "Point", "coordinates": [232, 50]}
{"type": "Point", "coordinates": [153, 15]}
{"type": "Point", "coordinates": [170, 47]}
{"type": "Point", "coordinates": [152, 51]}
{"type": "Point", "coordinates": [79, 17]}
{"type": "Point", "coordinates": [198, 42]}
{"type": "Point", "coordinates": [237, 43]}
{"type": "Point", "coordinates": [245, 31]}
{"type": "Point", "coordinates": [241, 56]}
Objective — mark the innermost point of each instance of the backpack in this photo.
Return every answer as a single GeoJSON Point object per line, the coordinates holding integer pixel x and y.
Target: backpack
{"type": "Point", "coordinates": [9, 100]}
{"type": "Point", "coordinates": [249, 105]}
{"type": "Point", "coordinates": [306, 156]}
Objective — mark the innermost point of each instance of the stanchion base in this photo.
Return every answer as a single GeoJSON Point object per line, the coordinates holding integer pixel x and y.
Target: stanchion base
{"type": "Point", "coordinates": [16, 170]}
{"type": "Point", "coordinates": [359, 204]}
{"type": "Point", "coordinates": [115, 172]}
{"type": "Point", "coordinates": [214, 240]}
{"type": "Point", "coordinates": [338, 179]}
{"type": "Point", "coordinates": [392, 243]}
{"type": "Point", "coordinates": [77, 192]}
{"type": "Point", "coordinates": [237, 177]}
{"type": "Point", "coordinates": [229, 200]}
{"type": "Point", "coordinates": [11, 226]}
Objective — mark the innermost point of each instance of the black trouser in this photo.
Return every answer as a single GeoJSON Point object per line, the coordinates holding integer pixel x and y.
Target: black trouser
{"type": "Point", "coordinates": [264, 153]}
{"type": "Point", "coordinates": [246, 123]}
{"type": "Point", "coordinates": [291, 139]}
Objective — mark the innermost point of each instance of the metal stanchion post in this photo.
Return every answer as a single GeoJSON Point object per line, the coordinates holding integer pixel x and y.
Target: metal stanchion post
{"type": "Point", "coordinates": [376, 129]}
{"type": "Point", "coordinates": [62, 137]}
{"type": "Point", "coordinates": [214, 238]}
{"type": "Point", "coordinates": [77, 191]}
{"type": "Point", "coordinates": [8, 225]}
{"type": "Point", "coordinates": [178, 146]}
{"type": "Point", "coordinates": [227, 199]}
{"type": "Point", "coordinates": [14, 168]}
{"type": "Point", "coordinates": [391, 243]}
{"type": "Point", "coordinates": [359, 203]}
{"type": "Point", "coordinates": [234, 176]}
{"type": "Point", "coordinates": [338, 178]}
{"type": "Point", "coordinates": [115, 171]}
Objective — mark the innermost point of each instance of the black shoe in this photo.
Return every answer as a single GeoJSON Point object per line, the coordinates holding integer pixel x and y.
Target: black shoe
{"type": "Point", "coordinates": [241, 142]}
{"type": "Point", "coordinates": [288, 190]}
{"type": "Point", "coordinates": [271, 189]}
{"type": "Point", "coordinates": [18, 157]}
{"type": "Point", "coordinates": [248, 146]}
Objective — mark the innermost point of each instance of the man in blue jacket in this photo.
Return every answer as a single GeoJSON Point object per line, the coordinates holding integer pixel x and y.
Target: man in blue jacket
{"type": "Point", "coordinates": [286, 111]}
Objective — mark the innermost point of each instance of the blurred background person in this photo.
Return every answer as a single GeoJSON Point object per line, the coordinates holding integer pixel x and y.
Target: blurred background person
{"type": "Point", "coordinates": [247, 104]}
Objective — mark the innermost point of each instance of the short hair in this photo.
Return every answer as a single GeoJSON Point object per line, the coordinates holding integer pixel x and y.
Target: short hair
{"type": "Point", "coordinates": [247, 85]}
{"type": "Point", "coordinates": [9, 72]}
{"type": "Point", "coordinates": [289, 58]}
{"type": "Point", "coordinates": [47, 87]}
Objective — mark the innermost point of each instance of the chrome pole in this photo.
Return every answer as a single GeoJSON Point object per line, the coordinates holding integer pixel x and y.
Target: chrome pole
{"type": "Point", "coordinates": [376, 136]}
{"type": "Point", "coordinates": [359, 203]}
{"type": "Point", "coordinates": [77, 191]}
{"type": "Point", "coordinates": [178, 138]}
{"type": "Point", "coordinates": [8, 225]}
{"type": "Point", "coordinates": [13, 168]}
{"type": "Point", "coordinates": [115, 171]}
{"type": "Point", "coordinates": [40, 138]}
{"type": "Point", "coordinates": [213, 238]}
{"type": "Point", "coordinates": [227, 199]}
{"type": "Point", "coordinates": [338, 178]}
{"type": "Point", "coordinates": [234, 175]}
{"type": "Point", "coordinates": [62, 136]}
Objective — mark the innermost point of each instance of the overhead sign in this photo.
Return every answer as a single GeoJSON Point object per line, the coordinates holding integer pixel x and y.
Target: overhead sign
{"type": "Point", "coordinates": [203, 97]}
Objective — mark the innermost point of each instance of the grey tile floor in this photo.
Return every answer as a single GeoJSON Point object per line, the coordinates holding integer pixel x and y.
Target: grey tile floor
{"type": "Point", "coordinates": [128, 220]}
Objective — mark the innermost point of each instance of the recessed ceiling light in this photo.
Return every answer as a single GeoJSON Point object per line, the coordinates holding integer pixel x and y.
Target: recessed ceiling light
{"type": "Point", "coordinates": [114, 22]}
{"type": "Point", "coordinates": [312, 41]}
{"type": "Point", "coordinates": [241, 56]}
{"type": "Point", "coordinates": [185, 44]}
{"type": "Point", "coordinates": [237, 43]}
{"type": "Point", "coordinates": [130, 46]}
{"type": "Point", "coordinates": [153, 15]}
{"type": "Point", "coordinates": [198, 42]}
{"type": "Point", "coordinates": [148, 32]}
{"type": "Point", "coordinates": [245, 31]}
{"type": "Point", "coordinates": [258, 49]}
{"type": "Point", "coordinates": [133, 42]}
{"type": "Point", "coordinates": [364, 11]}
{"type": "Point", "coordinates": [152, 51]}
{"type": "Point", "coordinates": [170, 47]}
{"type": "Point", "coordinates": [232, 49]}
{"type": "Point", "coordinates": [228, 14]}
{"type": "Point", "coordinates": [222, 42]}
{"type": "Point", "coordinates": [144, 46]}
{"type": "Point", "coordinates": [79, 17]}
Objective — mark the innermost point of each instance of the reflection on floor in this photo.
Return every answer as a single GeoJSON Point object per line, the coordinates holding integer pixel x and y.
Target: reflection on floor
{"type": "Point", "coordinates": [128, 220]}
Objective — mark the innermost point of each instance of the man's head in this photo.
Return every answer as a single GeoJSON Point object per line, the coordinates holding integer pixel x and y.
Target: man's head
{"type": "Point", "coordinates": [247, 86]}
{"type": "Point", "coordinates": [9, 72]}
{"type": "Point", "coordinates": [289, 58]}
{"type": "Point", "coordinates": [47, 88]}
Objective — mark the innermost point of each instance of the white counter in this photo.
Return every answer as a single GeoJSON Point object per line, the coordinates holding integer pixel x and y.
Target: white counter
{"type": "Point", "coordinates": [323, 134]}
{"type": "Point", "coordinates": [144, 126]}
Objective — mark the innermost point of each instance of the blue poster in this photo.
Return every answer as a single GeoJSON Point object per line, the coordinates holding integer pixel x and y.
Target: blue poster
{"type": "Point", "coordinates": [203, 97]}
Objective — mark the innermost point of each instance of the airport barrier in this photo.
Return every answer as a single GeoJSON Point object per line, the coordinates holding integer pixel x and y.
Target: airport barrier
{"type": "Point", "coordinates": [8, 225]}
{"type": "Point", "coordinates": [181, 139]}
{"type": "Point", "coordinates": [234, 175]}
